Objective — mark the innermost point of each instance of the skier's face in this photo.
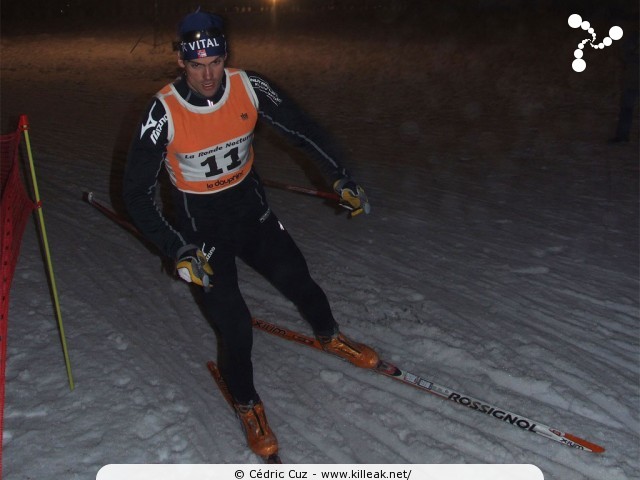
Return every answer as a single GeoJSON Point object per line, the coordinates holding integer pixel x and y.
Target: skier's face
{"type": "Point", "coordinates": [204, 75]}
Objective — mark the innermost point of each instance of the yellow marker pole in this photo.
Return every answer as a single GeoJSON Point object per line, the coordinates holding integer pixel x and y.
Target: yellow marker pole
{"type": "Point", "coordinates": [24, 125]}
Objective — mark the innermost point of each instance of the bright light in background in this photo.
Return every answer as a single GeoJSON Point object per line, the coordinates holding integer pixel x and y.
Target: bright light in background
{"type": "Point", "coordinates": [274, 19]}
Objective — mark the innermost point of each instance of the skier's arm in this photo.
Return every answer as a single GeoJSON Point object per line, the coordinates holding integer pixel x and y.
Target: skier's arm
{"type": "Point", "coordinates": [286, 117]}
{"type": "Point", "coordinates": [294, 124]}
{"type": "Point", "coordinates": [144, 162]}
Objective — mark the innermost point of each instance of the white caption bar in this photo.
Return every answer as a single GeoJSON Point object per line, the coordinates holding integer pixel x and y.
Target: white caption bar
{"type": "Point", "coordinates": [319, 472]}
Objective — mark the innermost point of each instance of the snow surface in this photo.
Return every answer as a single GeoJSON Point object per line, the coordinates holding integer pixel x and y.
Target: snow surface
{"type": "Point", "coordinates": [500, 259]}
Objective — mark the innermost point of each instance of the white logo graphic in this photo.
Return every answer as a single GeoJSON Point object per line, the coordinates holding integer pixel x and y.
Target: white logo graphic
{"type": "Point", "coordinates": [150, 122]}
{"type": "Point", "coordinates": [208, 255]}
{"type": "Point", "coordinates": [575, 21]}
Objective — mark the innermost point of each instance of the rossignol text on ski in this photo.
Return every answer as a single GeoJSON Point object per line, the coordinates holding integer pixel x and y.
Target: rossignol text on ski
{"type": "Point", "coordinates": [390, 370]}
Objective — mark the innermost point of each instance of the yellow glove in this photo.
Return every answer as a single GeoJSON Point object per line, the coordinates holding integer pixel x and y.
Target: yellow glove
{"type": "Point", "coordinates": [352, 196]}
{"type": "Point", "coordinates": [192, 266]}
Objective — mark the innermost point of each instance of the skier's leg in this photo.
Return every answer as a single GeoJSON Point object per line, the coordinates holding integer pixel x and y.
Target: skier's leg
{"type": "Point", "coordinates": [276, 256]}
{"type": "Point", "coordinates": [227, 311]}
{"type": "Point", "coordinates": [273, 253]}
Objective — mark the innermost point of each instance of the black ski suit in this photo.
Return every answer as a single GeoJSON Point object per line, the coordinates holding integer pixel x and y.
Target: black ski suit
{"type": "Point", "coordinates": [232, 222]}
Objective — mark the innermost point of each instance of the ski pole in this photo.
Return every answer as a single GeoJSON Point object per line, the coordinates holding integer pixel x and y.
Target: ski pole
{"type": "Point", "coordinates": [307, 191]}
{"type": "Point", "coordinates": [90, 198]}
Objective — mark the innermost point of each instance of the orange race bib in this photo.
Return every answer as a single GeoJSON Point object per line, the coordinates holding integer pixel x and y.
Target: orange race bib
{"type": "Point", "coordinates": [210, 148]}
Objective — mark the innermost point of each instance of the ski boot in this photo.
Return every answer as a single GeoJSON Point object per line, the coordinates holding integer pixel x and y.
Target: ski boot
{"type": "Point", "coordinates": [260, 438]}
{"type": "Point", "coordinates": [357, 353]}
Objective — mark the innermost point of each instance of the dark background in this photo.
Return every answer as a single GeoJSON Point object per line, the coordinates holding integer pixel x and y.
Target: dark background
{"type": "Point", "coordinates": [51, 14]}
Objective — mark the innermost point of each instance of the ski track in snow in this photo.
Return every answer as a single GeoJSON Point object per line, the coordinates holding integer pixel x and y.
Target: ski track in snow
{"type": "Point", "coordinates": [501, 258]}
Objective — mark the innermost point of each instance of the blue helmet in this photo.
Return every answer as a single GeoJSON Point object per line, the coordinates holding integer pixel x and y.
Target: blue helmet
{"type": "Point", "coordinates": [201, 35]}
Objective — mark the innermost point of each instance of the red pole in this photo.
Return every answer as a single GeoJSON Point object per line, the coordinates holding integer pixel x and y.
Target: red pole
{"type": "Point", "coordinates": [307, 191]}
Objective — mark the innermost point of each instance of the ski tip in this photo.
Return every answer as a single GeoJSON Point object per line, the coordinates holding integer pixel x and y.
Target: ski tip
{"type": "Point", "coordinates": [588, 446]}
{"type": "Point", "coordinates": [211, 365]}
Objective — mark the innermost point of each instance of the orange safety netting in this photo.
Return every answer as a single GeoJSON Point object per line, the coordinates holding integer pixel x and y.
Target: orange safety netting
{"type": "Point", "coordinates": [15, 208]}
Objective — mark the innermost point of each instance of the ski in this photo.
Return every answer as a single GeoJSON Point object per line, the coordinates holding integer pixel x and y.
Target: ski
{"type": "Point", "coordinates": [390, 370]}
{"type": "Point", "coordinates": [215, 373]}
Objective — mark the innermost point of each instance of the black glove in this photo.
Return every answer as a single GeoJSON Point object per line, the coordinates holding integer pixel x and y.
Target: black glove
{"type": "Point", "coordinates": [352, 196]}
{"type": "Point", "coordinates": [192, 266]}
